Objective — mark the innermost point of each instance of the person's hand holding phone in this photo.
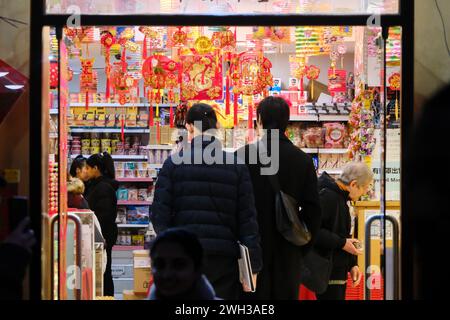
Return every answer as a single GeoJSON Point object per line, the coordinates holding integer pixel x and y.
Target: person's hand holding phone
{"type": "Point", "coordinates": [352, 246]}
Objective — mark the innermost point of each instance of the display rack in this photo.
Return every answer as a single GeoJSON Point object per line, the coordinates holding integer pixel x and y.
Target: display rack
{"type": "Point", "coordinates": [132, 225]}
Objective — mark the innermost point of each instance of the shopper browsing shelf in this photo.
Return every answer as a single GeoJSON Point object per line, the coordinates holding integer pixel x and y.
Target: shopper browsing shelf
{"type": "Point", "coordinates": [212, 199]}
{"type": "Point", "coordinates": [102, 199]}
{"type": "Point", "coordinates": [334, 238]}
{"type": "Point", "coordinates": [296, 176]}
{"type": "Point", "coordinates": [177, 258]}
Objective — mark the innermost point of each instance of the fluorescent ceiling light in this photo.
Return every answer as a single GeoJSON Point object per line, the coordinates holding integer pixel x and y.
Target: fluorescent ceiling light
{"type": "Point", "coordinates": [14, 87]}
{"type": "Point", "coordinates": [3, 74]}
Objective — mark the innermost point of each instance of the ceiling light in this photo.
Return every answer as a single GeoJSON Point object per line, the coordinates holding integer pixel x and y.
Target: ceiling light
{"type": "Point", "coordinates": [14, 87]}
{"type": "Point", "coordinates": [3, 74]}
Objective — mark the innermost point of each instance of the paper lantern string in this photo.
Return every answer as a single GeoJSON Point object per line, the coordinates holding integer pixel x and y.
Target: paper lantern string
{"type": "Point", "coordinates": [235, 108]}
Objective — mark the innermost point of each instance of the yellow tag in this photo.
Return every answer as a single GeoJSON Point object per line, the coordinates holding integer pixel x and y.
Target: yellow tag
{"type": "Point", "coordinates": [12, 175]}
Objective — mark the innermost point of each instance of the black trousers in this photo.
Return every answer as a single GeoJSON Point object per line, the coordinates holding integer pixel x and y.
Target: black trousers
{"type": "Point", "coordinates": [108, 284]}
{"type": "Point", "coordinates": [334, 292]}
{"type": "Point", "coordinates": [223, 274]}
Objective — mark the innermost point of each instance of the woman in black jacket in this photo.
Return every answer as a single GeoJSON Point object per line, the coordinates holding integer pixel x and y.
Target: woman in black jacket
{"type": "Point", "coordinates": [211, 199]}
{"type": "Point", "coordinates": [102, 199]}
{"type": "Point", "coordinates": [280, 277]}
{"type": "Point", "coordinates": [334, 238]}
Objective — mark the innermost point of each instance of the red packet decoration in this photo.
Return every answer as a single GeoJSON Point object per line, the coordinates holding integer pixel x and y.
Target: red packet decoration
{"type": "Point", "coordinates": [337, 81]}
{"type": "Point", "coordinates": [54, 74]}
{"type": "Point", "coordinates": [122, 84]}
{"type": "Point", "coordinates": [395, 85]}
{"type": "Point", "coordinates": [87, 78]}
{"type": "Point", "coordinates": [312, 73]}
{"type": "Point", "coordinates": [201, 77]}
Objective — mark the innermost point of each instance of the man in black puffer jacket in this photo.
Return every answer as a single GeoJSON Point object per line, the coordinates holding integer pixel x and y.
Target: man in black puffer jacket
{"type": "Point", "coordinates": [213, 201]}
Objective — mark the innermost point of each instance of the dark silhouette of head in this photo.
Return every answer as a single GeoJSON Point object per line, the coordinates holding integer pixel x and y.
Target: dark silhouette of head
{"type": "Point", "coordinates": [176, 256]}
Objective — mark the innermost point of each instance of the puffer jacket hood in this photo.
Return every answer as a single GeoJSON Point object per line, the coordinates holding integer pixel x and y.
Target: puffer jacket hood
{"type": "Point", "coordinates": [75, 186]}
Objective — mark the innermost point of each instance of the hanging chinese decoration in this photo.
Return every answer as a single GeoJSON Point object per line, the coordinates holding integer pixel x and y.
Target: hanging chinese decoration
{"type": "Point", "coordinates": [87, 78]}
{"type": "Point", "coordinates": [362, 128]}
{"type": "Point", "coordinates": [225, 41]}
{"type": "Point", "coordinates": [251, 75]}
{"type": "Point", "coordinates": [159, 72]}
{"type": "Point", "coordinates": [334, 56]}
{"type": "Point", "coordinates": [298, 69]}
{"type": "Point", "coordinates": [342, 50]}
{"type": "Point", "coordinates": [203, 45]}
{"type": "Point", "coordinates": [395, 85]}
{"type": "Point", "coordinates": [201, 77]}
{"type": "Point", "coordinates": [312, 73]}
{"type": "Point", "coordinates": [107, 40]}
{"type": "Point", "coordinates": [177, 37]}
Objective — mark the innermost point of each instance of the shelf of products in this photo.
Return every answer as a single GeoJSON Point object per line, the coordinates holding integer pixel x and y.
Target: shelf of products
{"type": "Point", "coordinates": [160, 147]}
{"type": "Point", "coordinates": [324, 151]}
{"type": "Point", "coordinates": [121, 157]}
{"type": "Point", "coordinates": [133, 203]}
{"type": "Point", "coordinates": [117, 105]}
{"type": "Point", "coordinates": [107, 130]}
{"type": "Point", "coordinates": [150, 179]}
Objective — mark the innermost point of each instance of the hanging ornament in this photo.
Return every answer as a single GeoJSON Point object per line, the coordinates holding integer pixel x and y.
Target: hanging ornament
{"type": "Point", "coordinates": [179, 38]}
{"type": "Point", "coordinates": [312, 73]}
{"type": "Point", "coordinates": [203, 45]}
{"type": "Point", "coordinates": [107, 40]}
{"type": "Point", "coordinates": [87, 78]}
{"type": "Point", "coordinates": [395, 85]}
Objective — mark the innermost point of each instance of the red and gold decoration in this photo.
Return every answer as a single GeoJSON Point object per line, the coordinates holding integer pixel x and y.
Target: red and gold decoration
{"type": "Point", "coordinates": [159, 73]}
{"type": "Point", "coordinates": [201, 77]}
{"type": "Point", "coordinates": [107, 40]}
{"type": "Point", "coordinates": [312, 73]}
{"type": "Point", "coordinates": [87, 83]}
{"type": "Point", "coordinates": [251, 75]}
{"type": "Point", "coordinates": [395, 83]}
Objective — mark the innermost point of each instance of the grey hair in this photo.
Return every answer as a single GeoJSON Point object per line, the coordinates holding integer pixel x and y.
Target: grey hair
{"type": "Point", "coordinates": [356, 171]}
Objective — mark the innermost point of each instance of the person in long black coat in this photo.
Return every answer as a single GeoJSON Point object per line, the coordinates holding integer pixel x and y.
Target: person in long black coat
{"type": "Point", "coordinates": [334, 238]}
{"type": "Point", "coordinates": [214, 201]}
{"type": "Point", "coordinates": [280, 277]}
{"type": "Point", "coordinates": [102, 199]}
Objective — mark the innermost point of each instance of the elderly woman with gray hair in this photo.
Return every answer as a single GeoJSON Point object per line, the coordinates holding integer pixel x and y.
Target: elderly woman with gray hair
{"type": "Point", "coordinates": [334, 238]}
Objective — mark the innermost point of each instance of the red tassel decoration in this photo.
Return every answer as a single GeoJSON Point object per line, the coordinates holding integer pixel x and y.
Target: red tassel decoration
{"type": "Point", "coordinates": [235, 97]}
{"type": "Point", "coordinates": [87, 100]}
{"type": "Point", "coordinates": [122, 129]}
{"type": "Point", "coordinates": [227, 95]}
{"type": "Point", "coordinates": [150, 109]}
{"type": "Point", "coordinates": [124, 60]}
{"type": "Point", "coordinates": [171, 115]}
{"type": "Point", "coordinates": [144, 50]}
{"type": "Point", "coordinates": [250, 114]}
{"type": "Point", "coordinates": [108, 85]}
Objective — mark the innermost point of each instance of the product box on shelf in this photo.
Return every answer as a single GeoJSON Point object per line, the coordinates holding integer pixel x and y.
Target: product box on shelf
{"type": "Point", "coordinates": [138, 214]}
{"type": "Point", "coordinates": [142, 271]}
{"type": "Point", "coordinates": [121, 215]}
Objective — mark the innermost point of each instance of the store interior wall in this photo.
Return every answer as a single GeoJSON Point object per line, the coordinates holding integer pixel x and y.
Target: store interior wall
{"type": "Point", "coordinates": [431, 58]}
{"type": "Point", "coordinates": [14, 129]}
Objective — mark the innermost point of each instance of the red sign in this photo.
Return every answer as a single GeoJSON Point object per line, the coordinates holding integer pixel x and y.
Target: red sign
{"type": "Point", "coordinates": [337, 81]}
